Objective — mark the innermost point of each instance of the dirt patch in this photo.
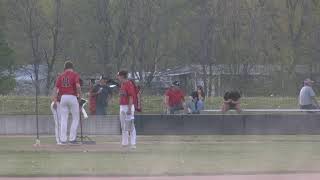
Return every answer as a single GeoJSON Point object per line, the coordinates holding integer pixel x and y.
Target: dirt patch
{"type": "Point", "coordinates": [220, 177]}
{"type": "Point", "coordinates": [107, 147]}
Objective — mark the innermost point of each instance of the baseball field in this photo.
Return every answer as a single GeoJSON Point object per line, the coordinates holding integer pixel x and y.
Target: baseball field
{"type": "Point", "coordinates": [162, 156]}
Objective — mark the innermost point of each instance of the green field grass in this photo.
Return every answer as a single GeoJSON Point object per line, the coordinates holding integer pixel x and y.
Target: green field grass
{"type": "Point", "coordinates": [162, 155]}
{"type": "Point", "coordinates": [151, 104]}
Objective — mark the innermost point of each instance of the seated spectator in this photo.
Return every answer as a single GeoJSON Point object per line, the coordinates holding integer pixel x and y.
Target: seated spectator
{"type": "Point", "coordinates": [231, 101]}
{"type": "Point", "coordinates": [201, 97]}
{"type": "Point", "coordinates": [196, 103]}
{"type": "Point", "coordinates": [307, 97]}
{"type": "Point", "coordinates": [174, 99]}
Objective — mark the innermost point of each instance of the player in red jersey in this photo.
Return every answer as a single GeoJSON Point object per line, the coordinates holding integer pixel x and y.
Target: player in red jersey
{"type": "Point", "coordinates": [68, 86]}
{"type": "Point", "coordinates": [127, 93]}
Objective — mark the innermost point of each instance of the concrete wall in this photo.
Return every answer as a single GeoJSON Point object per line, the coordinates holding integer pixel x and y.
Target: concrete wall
{"type": "Point", "coordinates": [175, 125]}
{"type": "Point", "coordinates": [228, 124]}
{"type": "Point", "coordinates": [26, 125]}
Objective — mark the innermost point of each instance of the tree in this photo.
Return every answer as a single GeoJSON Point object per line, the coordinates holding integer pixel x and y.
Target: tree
{"type": "Point", "coordinates": [28, 16]}
{"type": "Point", "coordinates": [7, 81]}
{"type": "Point", "coordinates": [147, 36]}
{"type": "Point", "coordinates": [51, 53]}
{"type": "Point", "coordinates": [7, 63]}
{"type": "Point", "coordinates": [290, 27]}
{"type": "Point", "coordinates": [40, 23]}
{"type": "Point", "coordinates": [104, 20]}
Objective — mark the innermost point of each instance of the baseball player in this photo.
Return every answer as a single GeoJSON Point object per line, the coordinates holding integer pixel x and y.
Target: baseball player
{"type": "Point", "coordinates": [68, 86]}
{"type": "Point", "coordinates": [57, 116]}
{"type": "Point", "coordinates": [127, 109]}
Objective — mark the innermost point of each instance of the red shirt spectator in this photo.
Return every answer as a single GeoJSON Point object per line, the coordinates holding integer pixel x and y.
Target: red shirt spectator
{"type": "Point", "coordinates": [67, 83]}
{"type": "Point", "coordinates": [176, 96]}
{"type": "Point", "coordinates": [92, 98]}
{"type": "Point", "coordinates": [126, 90]}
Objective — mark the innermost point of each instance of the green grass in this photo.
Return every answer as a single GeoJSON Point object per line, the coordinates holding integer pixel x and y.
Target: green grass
{"type": "Point", "coordinates": [10, 105]}
{"type": "Point", "coordinates": [164, 155]}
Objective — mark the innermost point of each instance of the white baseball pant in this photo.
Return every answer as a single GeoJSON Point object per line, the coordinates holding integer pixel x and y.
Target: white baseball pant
{"type": "Point", "coordinates": [69, 103]}
{"type": "Point", "coordinates": [127, 126]}
{"type": "Point", "coordinates": [57, 117]}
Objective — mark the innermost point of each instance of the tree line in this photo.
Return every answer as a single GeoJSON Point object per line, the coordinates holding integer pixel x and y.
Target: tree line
{"type": "Point", "coordinates": [103, 36]}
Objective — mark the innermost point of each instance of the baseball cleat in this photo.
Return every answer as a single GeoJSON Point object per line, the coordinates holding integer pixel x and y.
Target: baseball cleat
{"type": "Point", "coordinates": [63, 143]}
{"type": "Point", "coordinates": [124, 146]}
{"type": "Point", "coordinates": [74, 142]}
{"type": "Point", "coordinates": [37, 143]}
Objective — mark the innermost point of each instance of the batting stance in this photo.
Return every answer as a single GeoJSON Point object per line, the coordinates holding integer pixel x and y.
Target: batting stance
{"type": "Point", "coordinates": [127, 110]}
{"type": "Point", "coordinates": [68, 86]}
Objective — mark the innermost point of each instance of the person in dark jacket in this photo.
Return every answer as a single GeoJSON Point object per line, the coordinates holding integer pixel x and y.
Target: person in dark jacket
{"type": "Point", "coordinates": [231, 101]}
{"type": "Point", "coordinates": [102, 93]}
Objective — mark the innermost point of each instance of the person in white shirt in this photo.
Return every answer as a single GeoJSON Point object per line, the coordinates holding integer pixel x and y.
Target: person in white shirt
{"type": "Point", "coordinates": [307, 97]}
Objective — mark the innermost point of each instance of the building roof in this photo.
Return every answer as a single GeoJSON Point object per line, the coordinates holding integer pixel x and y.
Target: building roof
{"type": "Point", "coordinates": [230, 69]}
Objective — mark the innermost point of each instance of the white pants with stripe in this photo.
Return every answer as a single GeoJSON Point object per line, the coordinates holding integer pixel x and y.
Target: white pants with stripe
{"type": "Point", "coordinates": [57, 117]}
{"type": "Point", "coordinates": [127, 126]}
{"type": "Point", "coordinates": [69, 104]}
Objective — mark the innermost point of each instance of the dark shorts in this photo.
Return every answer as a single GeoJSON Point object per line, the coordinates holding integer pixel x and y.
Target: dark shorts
{"type": "Point", "coordinates": [175, 108]}
{"type": "Point", "coordinates": [232, 105]}
{"type": "Point", "coordinates": [309, 106]}
{"type": "Point", "coordinates": [101, 110]}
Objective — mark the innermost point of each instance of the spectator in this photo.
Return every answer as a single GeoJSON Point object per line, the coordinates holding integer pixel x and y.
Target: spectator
{"type": "Point", "coordinates": [196, 103]}
{"type": "Point", "coordinates": [231, 101]}
{"type": "Point", "coordinates": [174, 99]}
{"type": "Point", "coordinates": [201, 97]}
{"type": "Point", "coordinates": [307, 97]}
{"type": "Point", "coordinates": [92, 98]}
{"type": "Point", "coordinates": [102, 93]}
{"type": "Point", "coordinates": [201, 93]}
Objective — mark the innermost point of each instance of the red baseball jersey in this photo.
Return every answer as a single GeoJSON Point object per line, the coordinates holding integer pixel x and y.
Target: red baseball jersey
{"type": "Point", "coordinates": [126, 90]}
{"type": "Point", "coordinates": [176, 96]}
{"type": "Point", "coordinates": [67, 83]}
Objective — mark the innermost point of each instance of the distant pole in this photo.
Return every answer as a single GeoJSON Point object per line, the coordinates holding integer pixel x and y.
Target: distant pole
{"type": "Point", "coordinates": [37, 111]}
{"type": "Point", "coordinates": [37, 114]}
